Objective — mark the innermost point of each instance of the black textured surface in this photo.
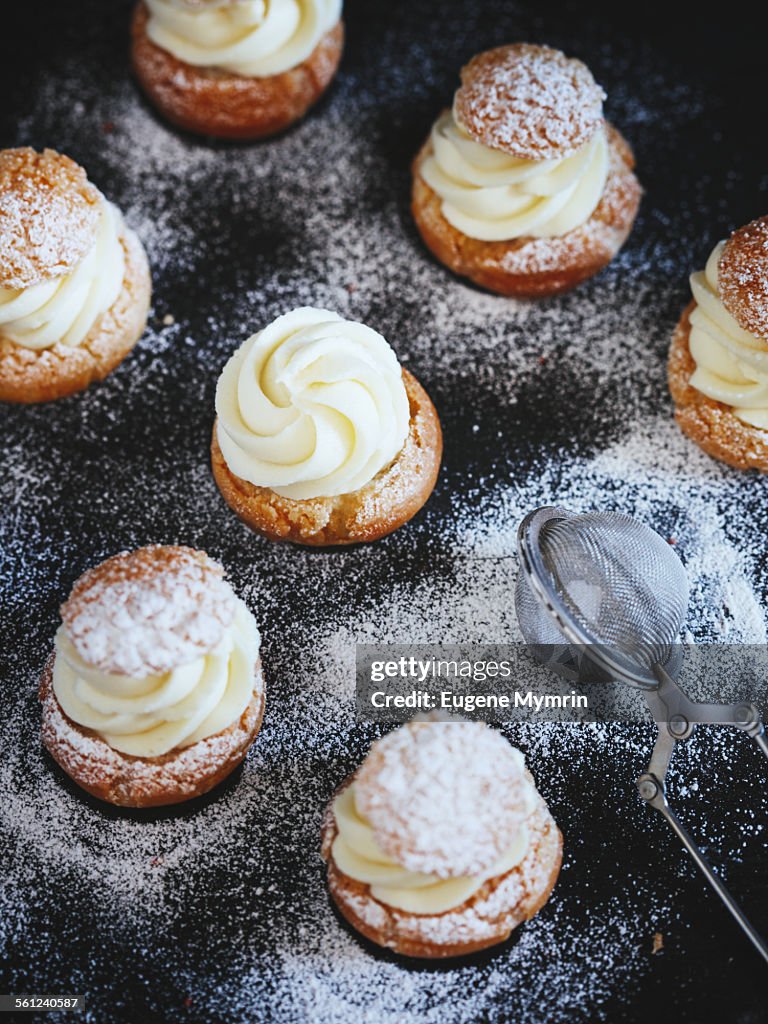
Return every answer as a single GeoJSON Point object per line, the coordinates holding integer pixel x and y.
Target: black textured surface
{"type": "Point", "coordinates": [126, 464]}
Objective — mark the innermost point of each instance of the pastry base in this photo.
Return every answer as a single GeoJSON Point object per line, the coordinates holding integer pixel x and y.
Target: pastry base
{"type": "Point", "coordinates": [535, 267]}
{"type": "Point", "coordinates": [486, 919]}
{"type": "Point", "coordinates": [393, 497]}
{"type": "Point", "coordinates": [41, 376]}
{"type": "Point", "coordinates": [209, 101]}
{"type": "Point", "coordinates": [128, 781]}
{"type": "Point", "coordinates": [710, 424]}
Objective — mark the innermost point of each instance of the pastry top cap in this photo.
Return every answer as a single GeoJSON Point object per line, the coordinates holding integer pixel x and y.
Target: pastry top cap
{"type": "Point", "coordinates": [148, 611]}
{"type": "Point", "coordinates": [742, 277]}
{"type": "Point", "coordinates": [528, 100]}
{"type": "Point", "coordinates": [49, 216]}
{"type": "Point", "coordinates": [444, 798]}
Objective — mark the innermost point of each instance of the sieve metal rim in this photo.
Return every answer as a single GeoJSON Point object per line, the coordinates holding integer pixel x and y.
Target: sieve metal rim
{"type": "Point", "coordinates": [540, 581]}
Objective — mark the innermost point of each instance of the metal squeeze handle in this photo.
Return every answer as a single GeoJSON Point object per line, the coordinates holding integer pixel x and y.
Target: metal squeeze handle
{"type": "Point", "coordinates": [669, 704]}
{"type": "Point", "coordinates": [747, 718]}
{"type": "Point", "coordinates": [675, 716]}
{"type": "Point", "coordinates": [652, 791]}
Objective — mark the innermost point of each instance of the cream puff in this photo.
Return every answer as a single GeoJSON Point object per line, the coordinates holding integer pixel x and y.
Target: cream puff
{"type": "Point", "coordinates": [718, 362]}
{"type": "Point", "coordinates": [154, 691]}
{"type": "Point", "coordinates": [321, 437]}
{"type": "Point", "coordinates": [74, 280]}
{"type": "Point", "coordinates": [439, 845]}
{"type": "Point", "coordinates": [522, 186]}
{"type": "Point", "coordinates": [236, 69]}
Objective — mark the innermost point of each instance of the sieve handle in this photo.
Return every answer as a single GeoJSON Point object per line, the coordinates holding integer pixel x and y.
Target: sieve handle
{"type": "Point", "coordinates": [747, 718]}
{"type": "Point", "coordinates": [652, 791]}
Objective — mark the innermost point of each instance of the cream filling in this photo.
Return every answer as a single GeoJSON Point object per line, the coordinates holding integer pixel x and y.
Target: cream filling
{"type": "Point", "coordinates": [255, 38]}
{"type": "Point", "coordinates": [492, 196]}
{"type": "Point", "coordinates": [148, 717]}
{"type": "Point", "coordinates": [312, 406]}
{"type": "Point", "coordinates": [731, 363]}
{"type": "Point", "coordinates": [65, 309]}
{"type": "Point", "coordinates": [357, 855]}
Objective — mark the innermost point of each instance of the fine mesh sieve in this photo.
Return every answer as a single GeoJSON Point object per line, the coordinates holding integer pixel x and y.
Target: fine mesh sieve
{"type": "Point", "coordinates": [607, 583]}
{"type": "Point", "coordinates": [601, 590]}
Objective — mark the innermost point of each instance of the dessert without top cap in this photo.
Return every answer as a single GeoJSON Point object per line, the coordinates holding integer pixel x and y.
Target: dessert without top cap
{"type": "Point", "coordinates": [154, 691]}
{"type": "Point", "coordinates": [522, 186]}
{"type": "Point", "coordinates": [321, 437]}
{"type": "Point", "coordinates": [718, 361]}
{"type": "Point", "coordinates": [241, 69]}
{"type": "Point", "coordinates": [74, 280]}
{"type": "Point", "coordinates": [440, 845]}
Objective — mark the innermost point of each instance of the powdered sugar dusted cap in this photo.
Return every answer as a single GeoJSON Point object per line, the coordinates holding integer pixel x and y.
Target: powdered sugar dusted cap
{"type": "Point", "coordinates": [742, 277]}
{"type": "Point", "coordinates": [148, 611]}
{"type": "Point", "coordinates": [49, 216]}
{"type": "Point", "coordinates": [531, 101]}
{"type": "Point", "coordinates": [443, 798]}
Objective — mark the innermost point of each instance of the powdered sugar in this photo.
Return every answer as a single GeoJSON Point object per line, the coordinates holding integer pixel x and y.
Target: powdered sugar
{"type": "Point", "coordinates": [49, 216]}
{"type": "Point", "coordinates": [149, 611]}
{"type": "Point", "coordinates": [443, 801]}
{"type": "Point", "coordinates": [743, 276]}
{"type": "Point", "coordinates": [224, 904]}
{"type": "Point", "coordinates": [531, 101]}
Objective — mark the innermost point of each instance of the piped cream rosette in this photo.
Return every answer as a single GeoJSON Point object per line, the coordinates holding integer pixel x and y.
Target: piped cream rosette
{"type": "Point", "coordinates": [254, 38]}
{"type": "Point", "coordinates": [312, 406]}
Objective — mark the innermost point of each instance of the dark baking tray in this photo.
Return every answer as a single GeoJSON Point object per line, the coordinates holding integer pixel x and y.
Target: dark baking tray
{"type": "Point", "coordinates": [218, 912]}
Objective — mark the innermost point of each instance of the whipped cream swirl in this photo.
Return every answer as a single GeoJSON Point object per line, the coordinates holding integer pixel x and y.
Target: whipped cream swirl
{"type": "Point", "coordinates": [65, 309]}
{"type": "Point", "coordinates": [312, 406]}
{"type": "Point", "coordinates": [493, 196]}
{"type": "Point", "coordinates": [357, 854]}
{"type": "Point", "coordinates": [149, 716]}
{"type": "Point", "coordinates": [731, 363]}
{"type": "Point", "coordinates": [255, 38]}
